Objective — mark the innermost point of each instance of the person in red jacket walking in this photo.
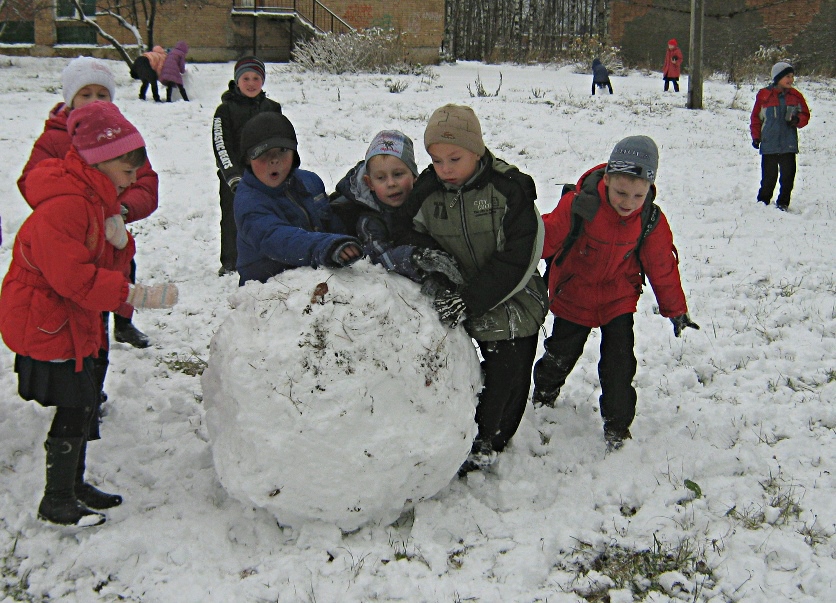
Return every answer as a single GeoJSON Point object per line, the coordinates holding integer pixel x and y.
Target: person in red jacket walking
{"type": "Point", "coordinates": [599, 280]}
{"type": "Point", "coordinates": [68, 266]}
{"type": "Point", "coordinates": [673, 65]}
{"type": "Point", "coordinates": [83, 81]}
{"type": "Point", "coordinates": [779, 111]}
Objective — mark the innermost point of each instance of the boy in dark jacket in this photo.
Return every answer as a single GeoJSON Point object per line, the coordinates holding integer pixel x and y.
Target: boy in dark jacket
{"type": "Point", "coordinates": [779, 111]}
{"type": "Point", "coordinates": [600, 76]}
{"type": "Point", "coordinates": [481, 211]}
{"type": "Point", "coordinates": [244, 99]}
{"type": "Point", "coordinates": [367, 199]}
{"type": "Point", "coordinates": [598, 285]}
{"type": "Point", "coordinates": [282, 213]}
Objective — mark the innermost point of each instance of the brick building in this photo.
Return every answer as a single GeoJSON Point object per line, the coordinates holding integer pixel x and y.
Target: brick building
{"type": "Point", "coordinates": [220, 30]}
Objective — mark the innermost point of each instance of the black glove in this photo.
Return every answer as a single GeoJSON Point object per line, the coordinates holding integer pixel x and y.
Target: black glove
{"type": "Point", "coordinates": [432, 260]}
{"type": "Point", "coordinates": [756, 143]}
{"type": "Point", "coordinates": [794, 121]}
{"type": "Point", "coordinates": [681, 322]}
{"type": "Point", "coordinates": [435, 283]}
{"type": "Point", "coordinates": [450, 307]}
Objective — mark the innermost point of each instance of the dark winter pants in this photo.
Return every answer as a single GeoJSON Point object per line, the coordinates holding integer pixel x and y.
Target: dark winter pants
{"type": "Point", "coordinates": [170, 86]}
{"type": "Point", "coordinates": [616, 368]}
{"type": "Point", "coordinates": [601, 85]}
{"type": "Point", "coordinates": [771, 165]}
{"type": "Point", "coordinates": [229, 232]}
{"type": "Point", "coordinates": [507, 372]}
{"type": "Point", "coordinates": [675, 81]}
{"type": "Point", "coordinates": [142, 70]}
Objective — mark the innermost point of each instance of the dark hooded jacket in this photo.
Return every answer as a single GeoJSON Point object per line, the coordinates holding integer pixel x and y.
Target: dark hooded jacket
{"type": "Point", "coordinates": [230, 116]}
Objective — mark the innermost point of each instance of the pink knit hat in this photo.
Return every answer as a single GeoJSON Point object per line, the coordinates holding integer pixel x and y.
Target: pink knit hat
{"type": "Point", "coordinates": [100, 132]}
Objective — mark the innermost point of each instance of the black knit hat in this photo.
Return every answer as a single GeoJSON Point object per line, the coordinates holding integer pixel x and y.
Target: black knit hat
{"type": "Point", "coordinates": [267, 131]}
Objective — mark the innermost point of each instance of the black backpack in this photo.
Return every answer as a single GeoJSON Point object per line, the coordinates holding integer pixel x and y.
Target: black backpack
{"type": "Point", "coordinates": [585, 206]}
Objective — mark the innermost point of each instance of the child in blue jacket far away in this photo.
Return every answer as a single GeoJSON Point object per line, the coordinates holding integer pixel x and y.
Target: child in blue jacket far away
{"type": "Point", "coordinates": [281, 212]}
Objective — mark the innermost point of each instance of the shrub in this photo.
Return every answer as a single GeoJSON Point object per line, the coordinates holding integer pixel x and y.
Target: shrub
{"type": "Point", "coordinates": [362, 51]}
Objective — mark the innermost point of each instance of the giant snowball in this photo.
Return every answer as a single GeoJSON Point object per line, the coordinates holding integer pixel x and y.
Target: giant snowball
{"type": "Point", "coordinates": [338, 396]}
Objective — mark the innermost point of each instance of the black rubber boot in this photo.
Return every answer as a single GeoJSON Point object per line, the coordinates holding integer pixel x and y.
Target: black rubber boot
{"type": "Point", "coordinates": [89, 496]}
{"type": "Point", "coordinates": [124, 331]}
{"type": "Point", "coordinates": [59, 504]}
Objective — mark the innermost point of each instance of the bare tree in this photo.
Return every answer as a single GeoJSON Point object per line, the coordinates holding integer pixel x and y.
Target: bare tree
{"type": "Point", "coordinates": [520, 29]}
{"type": "Point", "coordinates": [135, 16]}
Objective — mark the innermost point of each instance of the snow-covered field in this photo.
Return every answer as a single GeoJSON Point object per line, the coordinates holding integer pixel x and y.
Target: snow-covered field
{"type": "Point", "coordinates": [734, 448]}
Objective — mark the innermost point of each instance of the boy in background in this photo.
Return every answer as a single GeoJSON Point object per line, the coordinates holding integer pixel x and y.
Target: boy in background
{"type": "Point", "coordinates": [779, 111]}
{"type": "Point", "coordinates": [243, 99]}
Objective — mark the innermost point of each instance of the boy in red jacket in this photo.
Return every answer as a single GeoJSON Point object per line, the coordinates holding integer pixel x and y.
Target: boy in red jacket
{"type": "Point", "coordinates": [67, 268]}
{"type": "Point", "coordinates": [599, 280]}
{"type": "Point", "coordinates": [779, 111]}
{"type": "Point", "coordinates": [83, 81]}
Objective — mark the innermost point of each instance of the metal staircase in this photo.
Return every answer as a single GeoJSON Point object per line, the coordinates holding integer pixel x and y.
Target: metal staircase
{"type": "Point", "coordinates": [310, 14]}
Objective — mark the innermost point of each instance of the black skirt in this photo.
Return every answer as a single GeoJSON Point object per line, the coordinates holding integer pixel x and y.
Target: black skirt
{"type": "Point", "coordinates": [57, 383]}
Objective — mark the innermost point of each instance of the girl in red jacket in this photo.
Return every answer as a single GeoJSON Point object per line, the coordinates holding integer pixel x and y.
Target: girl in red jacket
{"type": "Point", "coordinates": [673, 65]}
{"type": "Point", "coordinates": [67, 268]}
{"type": "Point", "coordinates": [84, 81]}
{"type": "Point", "coordinates": [599, 280]}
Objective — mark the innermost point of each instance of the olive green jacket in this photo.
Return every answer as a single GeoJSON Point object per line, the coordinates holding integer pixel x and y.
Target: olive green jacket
{"type": "Point", "coordinates": [493, 229]}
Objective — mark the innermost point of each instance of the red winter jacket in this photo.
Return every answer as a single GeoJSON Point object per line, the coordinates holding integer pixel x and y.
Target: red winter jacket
{"type": "Point", "coordinates": [673, 62]}
{"type": "Point", "coordinates": [595, 284]}
{"type": "Point", "coordinates": [63, 273]}
{"type": "Point", "coordinates": [140, 198]}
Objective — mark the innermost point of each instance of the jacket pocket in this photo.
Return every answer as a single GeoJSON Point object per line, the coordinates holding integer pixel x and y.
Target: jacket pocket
{"type": "Point", "coordinates": [49, 313]}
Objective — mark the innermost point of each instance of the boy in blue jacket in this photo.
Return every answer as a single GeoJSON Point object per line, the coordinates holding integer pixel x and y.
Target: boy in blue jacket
{"type": "Point", "coordinates": [281, 212]}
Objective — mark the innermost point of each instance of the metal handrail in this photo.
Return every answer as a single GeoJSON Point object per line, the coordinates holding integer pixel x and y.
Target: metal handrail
{"type": "Point", "coordinates": [297, 9]}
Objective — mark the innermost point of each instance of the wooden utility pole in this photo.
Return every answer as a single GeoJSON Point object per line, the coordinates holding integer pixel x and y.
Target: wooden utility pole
{"type": "Point", "coordinates": [695, 55]}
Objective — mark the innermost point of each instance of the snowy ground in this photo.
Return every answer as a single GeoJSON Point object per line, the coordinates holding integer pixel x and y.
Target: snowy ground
{"type": "Point", "coordinates": [741, 412]}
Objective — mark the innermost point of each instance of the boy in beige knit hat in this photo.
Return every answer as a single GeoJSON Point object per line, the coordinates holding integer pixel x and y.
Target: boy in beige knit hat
{"type": "Point", "coordinates": [481, 211]}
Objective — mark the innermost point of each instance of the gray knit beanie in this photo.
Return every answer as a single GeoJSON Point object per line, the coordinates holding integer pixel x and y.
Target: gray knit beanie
{"type": "Point", "coordinates": [635, 155]}
{"type": "Point", "coordinates": [779, 70]}
{"type": "Point", "coordinates": [395, 143]}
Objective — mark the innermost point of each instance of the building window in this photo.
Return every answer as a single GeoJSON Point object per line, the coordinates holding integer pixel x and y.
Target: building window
{"type": "Point", "coordinates": [67, 28]}
{"type": "Point", "coordinates": [65, 9]}
{"type": "Point", "coordinates": [17, 32]}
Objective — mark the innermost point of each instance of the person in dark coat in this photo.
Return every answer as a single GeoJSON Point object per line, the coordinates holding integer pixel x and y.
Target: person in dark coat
{"type": "Point", "coordinates": [367, 200]}
{"type": "Point", "coordinates": [600, 76]}
{"type": "Point", "coordinates": [243, 99]}
{"type": "Point", "coordinates": [282, 213]}
{"type": "Point", "coordinates": [779, 111]}
{"type": "Point", "coordinates": [481, 211]}
{"type": "Point", "coordinates": [173, 69]}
